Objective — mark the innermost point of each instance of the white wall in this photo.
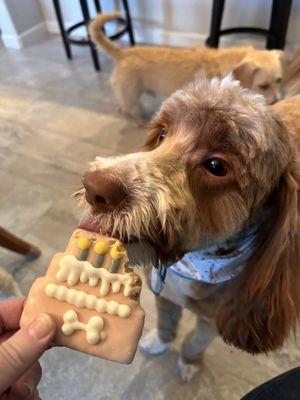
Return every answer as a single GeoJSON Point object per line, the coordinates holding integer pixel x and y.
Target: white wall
{"type": "Point", "coordinates": [181, 22]}
{"type": "Point", "coordinates": [24, 13]}
{"type": "Point", "coordinates": [21, 22]}
{"type": "Point", "coordinates": [6, 24]}
{"type": "Point", "coordinates": [71, 12]}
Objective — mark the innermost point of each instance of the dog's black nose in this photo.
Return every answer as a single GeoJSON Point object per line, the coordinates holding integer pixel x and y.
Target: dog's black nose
{"type": "Point", "coordinates": [103, 190]}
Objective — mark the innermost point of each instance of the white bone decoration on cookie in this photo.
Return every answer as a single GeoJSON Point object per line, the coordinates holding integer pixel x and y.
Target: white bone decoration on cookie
{"type": "Point", "coordinates": [73, 270]}
{"type": "Point", "coordinates": [93, 328]}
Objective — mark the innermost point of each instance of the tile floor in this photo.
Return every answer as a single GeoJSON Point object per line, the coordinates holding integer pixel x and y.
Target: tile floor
{"type": "Point", "coordinates": [55, 116]}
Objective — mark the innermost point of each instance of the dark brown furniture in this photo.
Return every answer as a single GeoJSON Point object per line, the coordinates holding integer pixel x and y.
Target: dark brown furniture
{"type": "Point", "coordinates": [66, 33]}
{"type": "Point", "coordinates": [275, 34]}
{"type": "Point", "coordinates": [12, 242]}
{"type": "Point", "coordinates": [283, 387]}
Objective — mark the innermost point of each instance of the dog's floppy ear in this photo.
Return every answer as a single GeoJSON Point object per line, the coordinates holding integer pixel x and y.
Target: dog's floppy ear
{"type": "Point", "coordinates": [244, 72]}
{"type": "Point", "coordinates": [265, 304]}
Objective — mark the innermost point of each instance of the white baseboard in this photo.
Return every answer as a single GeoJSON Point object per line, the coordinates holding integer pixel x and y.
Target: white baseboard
{"type": "Point", "coordinates": [160, 37]}
{"type": "Point", "coordinates": [154, 35]}
{"type": "Point", "coordinates": [34, 34]}
{"type": "Point", "coordinates": [144, 34]}
{"type": "Point", "coordinates": [157, 36]}
{"type": "Point", "coordinates": [26, 38]}
{"type": "Point", "coordinates": [53, 27]}
{"type": "Point", "coordinates": [11, 41]}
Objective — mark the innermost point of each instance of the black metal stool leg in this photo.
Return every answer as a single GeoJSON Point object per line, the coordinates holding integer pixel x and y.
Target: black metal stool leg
{"type": "Point", "coordinates": [279, 23]}
{"type": "Point", "coordinates": [215, 25]}
{"type": "Point", "coordinates": [98, 6]}
{"type": "Point", "coordinates": [128, 21]}
{"type": "Point", "coordinates": [99, 10]}
{"type": "Point", "coordinates": [62, 29]}
{"type": "Point", "coordinates": [86, 16]}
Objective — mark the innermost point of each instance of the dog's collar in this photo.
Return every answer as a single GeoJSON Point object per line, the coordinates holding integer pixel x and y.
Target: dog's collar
{"type": "Point", "coordinates": [215, 265]}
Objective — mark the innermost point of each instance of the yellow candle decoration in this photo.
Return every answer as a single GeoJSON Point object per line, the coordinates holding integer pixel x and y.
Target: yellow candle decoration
{"type": "Point", "coordinates": [117, 252]}
{"type": "Point", "coordinates": [83, 244]}
{"type": "Point", "coordinates": [101, 247]}
{"type": "Point", "coordinates": [100, 250]}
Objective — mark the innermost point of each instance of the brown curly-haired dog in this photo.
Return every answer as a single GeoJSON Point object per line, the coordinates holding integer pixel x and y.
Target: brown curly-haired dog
{"type": "Point", "coordinates": [217, 160]}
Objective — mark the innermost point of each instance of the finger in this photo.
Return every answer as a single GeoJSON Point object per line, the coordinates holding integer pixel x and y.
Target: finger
{"type": "Point", "coordinates": [23, 349]}
{"type": "Point", "coordinates": [10, 314]}
{"type": "Point", "coordinates": [25, 387]}
{"type": "Point", "coordinates": [5, 336]}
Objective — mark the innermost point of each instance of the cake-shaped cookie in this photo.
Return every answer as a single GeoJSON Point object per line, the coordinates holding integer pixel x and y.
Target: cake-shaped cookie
{"type": "Point", "coordinates": [93, 295]}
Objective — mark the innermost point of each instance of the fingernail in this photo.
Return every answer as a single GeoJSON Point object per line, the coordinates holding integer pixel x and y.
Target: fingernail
{"type": "Point", "coordinates": [41, 326]}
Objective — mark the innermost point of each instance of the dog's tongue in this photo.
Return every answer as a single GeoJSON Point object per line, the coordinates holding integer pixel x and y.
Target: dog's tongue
{"type": "Point", "coordinates": [88, 225]}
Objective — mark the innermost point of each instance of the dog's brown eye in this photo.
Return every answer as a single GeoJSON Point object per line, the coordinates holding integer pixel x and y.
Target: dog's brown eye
{"type": "Point", "coordinates": [215, 166]}
{"type": "Point", "coordinates": [162, 135]}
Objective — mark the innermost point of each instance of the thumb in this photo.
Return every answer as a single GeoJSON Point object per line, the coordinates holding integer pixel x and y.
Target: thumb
{"type": "Point", "coordinates": [23, 349]}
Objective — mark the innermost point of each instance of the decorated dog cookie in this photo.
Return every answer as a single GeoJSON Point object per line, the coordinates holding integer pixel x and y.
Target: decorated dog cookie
{"type": "Point", "coordinates": [93, 295]}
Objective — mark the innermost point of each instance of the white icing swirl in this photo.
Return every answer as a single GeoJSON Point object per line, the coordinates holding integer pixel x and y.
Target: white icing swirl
{"type": "Point", "coordinates": [83, 300]}
{"type": "Point", "coordinates": [72, 270]}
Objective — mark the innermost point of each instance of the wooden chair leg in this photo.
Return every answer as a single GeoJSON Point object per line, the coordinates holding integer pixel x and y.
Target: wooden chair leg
{"type": "Point", "coordinates": [12, 242]}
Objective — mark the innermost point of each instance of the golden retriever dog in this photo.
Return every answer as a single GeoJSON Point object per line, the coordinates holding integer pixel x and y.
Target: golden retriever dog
{"type": "Point", "coordinates": [162, 70]}
{"type": "Point", "coordinates": [212, 203]}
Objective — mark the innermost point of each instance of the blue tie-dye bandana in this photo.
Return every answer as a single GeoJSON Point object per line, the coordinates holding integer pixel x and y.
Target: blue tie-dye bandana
{"type": "Point", "coordinates": [214, 265]}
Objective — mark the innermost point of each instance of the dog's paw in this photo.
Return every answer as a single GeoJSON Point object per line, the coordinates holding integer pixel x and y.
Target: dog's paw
{"type": "Point", "coordinates": [153, 345]}
{"type": "Point", "coordinates": [187, 371]}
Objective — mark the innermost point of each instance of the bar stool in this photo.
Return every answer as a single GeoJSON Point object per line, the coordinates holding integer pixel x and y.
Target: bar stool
{"type": "Point", "coordinates": [66, 33]}
{"type": "Point", "coordinates": [275, 34]}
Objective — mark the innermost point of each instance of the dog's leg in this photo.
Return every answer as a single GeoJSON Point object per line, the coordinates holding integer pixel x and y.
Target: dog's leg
{"type": "Point", "coordinates": [158, 340]}
{"type": "Point", "coordinates": [128, 91]}
{"type": "Point", "coordinates": [193, 348]}
{"type": "Point", "coordinates": [8, 284]}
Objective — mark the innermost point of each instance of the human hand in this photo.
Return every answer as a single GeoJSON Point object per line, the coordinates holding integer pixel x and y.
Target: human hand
{"type": "Point", "coordinates": [20, 349]}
